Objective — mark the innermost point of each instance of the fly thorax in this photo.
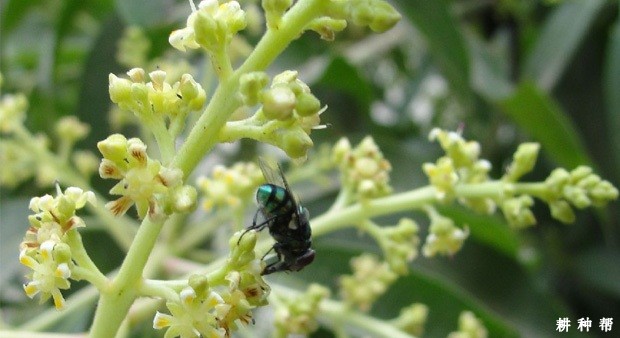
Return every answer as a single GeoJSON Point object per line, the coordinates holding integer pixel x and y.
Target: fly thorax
{"type": "Point", "coordinates": [273, 199]}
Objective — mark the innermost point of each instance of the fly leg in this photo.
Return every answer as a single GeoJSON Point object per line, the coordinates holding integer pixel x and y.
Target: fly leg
{"type": "Point", "coordinates": [257, 227]}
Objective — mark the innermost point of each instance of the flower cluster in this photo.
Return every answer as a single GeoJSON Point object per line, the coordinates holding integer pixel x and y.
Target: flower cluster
{"type": "Point", "coordinates": [208, 307]}
{"type": "Point", "coordinates": [211, 27]}
{"type": "Point", "coordinates": [297, 315]}
{"type": "Point", "coordinates": [193, 313]}
{"type": "Point", "coordinates": [286, 117]}
{"type": "Point", "coordinates": [157, 102]}
{"type": "Point", "coordinates": [469, 327]}
{"type": "Point", "coordinates": [44, 248]}
{"type": "Point", "coordinates": [230, 187]}
{"type": "Point", "coordinates": [364, 170]}
{"type": "Point", "coordinates": [461, 164]}
{"type": "Point", "coordinates": [20, 151]}
{"type": "Point", "coordinates": [370, 279]}
{"type": "Point", "coordinates": [399, 243]}
{"type": "Point", "coordinates": [412, 319]}
{"type": "Point", "coordinates": [143, 181]}
{"type": "Point", "coordinates": [12, 112]}
{"type": "Point", "coordinates": [443, 236]}
{"type": "Point", "coordinates": [379, 15]}
{"type": "Point", "coordinates": [580, 188]}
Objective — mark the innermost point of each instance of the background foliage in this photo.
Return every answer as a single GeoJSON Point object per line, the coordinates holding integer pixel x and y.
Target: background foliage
{"type": "Point", "coordinates": [504, 71]}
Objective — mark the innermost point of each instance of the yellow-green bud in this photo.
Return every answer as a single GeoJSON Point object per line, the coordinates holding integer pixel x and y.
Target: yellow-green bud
{"type": "Point", "coordinates": [379, 15]}
{"type": "Point", "coordinates": [70, 129]}
{"type": "Point", "coordinates": [562, 211]}
{"type": "Point", "coordinates": [137, 75]}
{"type": "Point", "coordinates": [251, 86]}
{"type": "Point", "coordinates": [119, 89]}
{"type": "Point", "coordinates": [200, 284]}
{"type": "Point", "coordinates": [412, 319]}
{"type": "Point", "coordinates": [286, 77]}
{"type": "Point", "coordinates": [113, 148]}
{"type": "Point", "coordinates": [524, 160]}
{"type": "Point", "coordinates": [296, 144]}
{"type": "Point", "coordinates": [517, 211]}
{"type": "Point", "coordinates": [278, 103]}
{"type": "Point", "coordinates": [341, 150]}
{"type": "Point", "coordinates": [307, 104]}
{"type": "Point", "coordinates": [61, 253]}
{"type": "Point", "coordinates": [327, 27]}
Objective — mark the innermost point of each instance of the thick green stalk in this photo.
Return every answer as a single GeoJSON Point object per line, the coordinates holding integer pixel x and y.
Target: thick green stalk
{"type": "Point", "coordinates": [204, 134]}
{"type": "Point", "coordinates": [116, 299]}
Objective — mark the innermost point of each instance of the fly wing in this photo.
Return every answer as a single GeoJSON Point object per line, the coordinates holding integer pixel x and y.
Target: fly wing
{"type": "Point", "coordinates": [272, 175]}
{"type": "Point", "coordinates": [275, 176]}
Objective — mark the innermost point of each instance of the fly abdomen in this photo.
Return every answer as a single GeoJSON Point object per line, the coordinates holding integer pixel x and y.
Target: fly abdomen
{"type": "Point", "coordinates": [274, 200]}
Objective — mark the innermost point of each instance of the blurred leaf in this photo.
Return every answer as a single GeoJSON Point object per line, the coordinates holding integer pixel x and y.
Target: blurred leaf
{"type": "Point", "coordinates": [146, 13]}
{"type": "Point", "coordinates": [13, 226]}
{"type": "Point", "coordinates": [560, 37]}
{"type": "Point", "coordinates": [13, 12]}
{"type": "Point", "coordinates": [600, 270]}
{"type": "Point", "coordinates": [538, 115]}
{"type": "Point", "coordinates": [441, 30]}
{"type": "Point", "coordinates": [490, 71]}
{"type": "Point", "coordinates": [611, 88]}
{"type": "Point", "coordinates": [343, 89]}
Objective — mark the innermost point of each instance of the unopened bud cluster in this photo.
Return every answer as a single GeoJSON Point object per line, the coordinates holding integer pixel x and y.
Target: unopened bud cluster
{"type": "Point", "coordinates": [378, 15]}
{"type": "Point", "coordinates": [364, 170]}
{"type": "Point", "coordinates": [211, 27]}
{"type": "Point", "coordinates": [412, 319]}
{"type": "Point", "coordinates": [297, 315]}
{"type": "Point", "coordinates": [215, 308]}
{"type": "Point", "coordinates": [142, 181]}
{"type": "Point", "coordinates": [461, 164]}
{"type": "Point", "coordinates": [400, 244]}
{"type": "Point", "coordinates": [230, 187]}
{"type": "Point", "coordinates": [287, 114]}
{"type": "Point", "coordinates": [444, 237]}
{"type": "Point", "coordinates": [157, 99]}
{"type": "Point", "coordinates": [580, 188]}
{"type": "Point", "coordinates": [469, 327]}
{"type": "Point", "coordinates": [20, 151]}
{"type": "Point", "coordinates": [44, 248]}
{"type": "Point", "coordinates": [370, 279]}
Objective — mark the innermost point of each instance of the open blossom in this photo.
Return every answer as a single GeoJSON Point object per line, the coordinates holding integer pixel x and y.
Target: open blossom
{"type": "Point", "coordinates": [143, 181]}
{"type": "Point", "coordinates": [51, 269]}
{"type": "Point", "coordinates": [54, 216]}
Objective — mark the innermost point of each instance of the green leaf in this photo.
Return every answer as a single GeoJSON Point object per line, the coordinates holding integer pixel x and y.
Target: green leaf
{"type": "Point", "coordinates": [611, 88]}
{"type": "Point", "coordinates": [434, 20]}
{"type": "Point", "coordinates": [558, 41]}
{"type": "Point", "coordinates": [599, 269]}
{"type": "Point", "coordinates": [146, 13]}
{"type": "Point", "coordinates": [540, 116]}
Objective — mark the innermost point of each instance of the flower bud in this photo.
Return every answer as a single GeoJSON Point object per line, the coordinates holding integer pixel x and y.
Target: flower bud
{"type": "Point", "coordinates": [278, 103]}
{"type": "Point", "coordinates": [307, 104]}
{"type": "Point", "coordinates": [250, 87]}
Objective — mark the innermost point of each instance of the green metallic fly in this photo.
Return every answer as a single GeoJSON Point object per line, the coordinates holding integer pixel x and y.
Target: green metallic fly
{"type": "Point", "coordinates": [287, 222]}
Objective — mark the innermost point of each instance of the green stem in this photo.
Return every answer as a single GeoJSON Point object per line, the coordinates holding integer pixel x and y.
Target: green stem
{"type": "Point", "coordinates": [164, 139]}
{"type": "Point", "coordinates": [204, 135]}
{"type": "Point", "coordinates": [121, 293]}
{"type": "Point", "coordinates": [89, 270]}
{"type": "Point", "coordinates": [332, 311]}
